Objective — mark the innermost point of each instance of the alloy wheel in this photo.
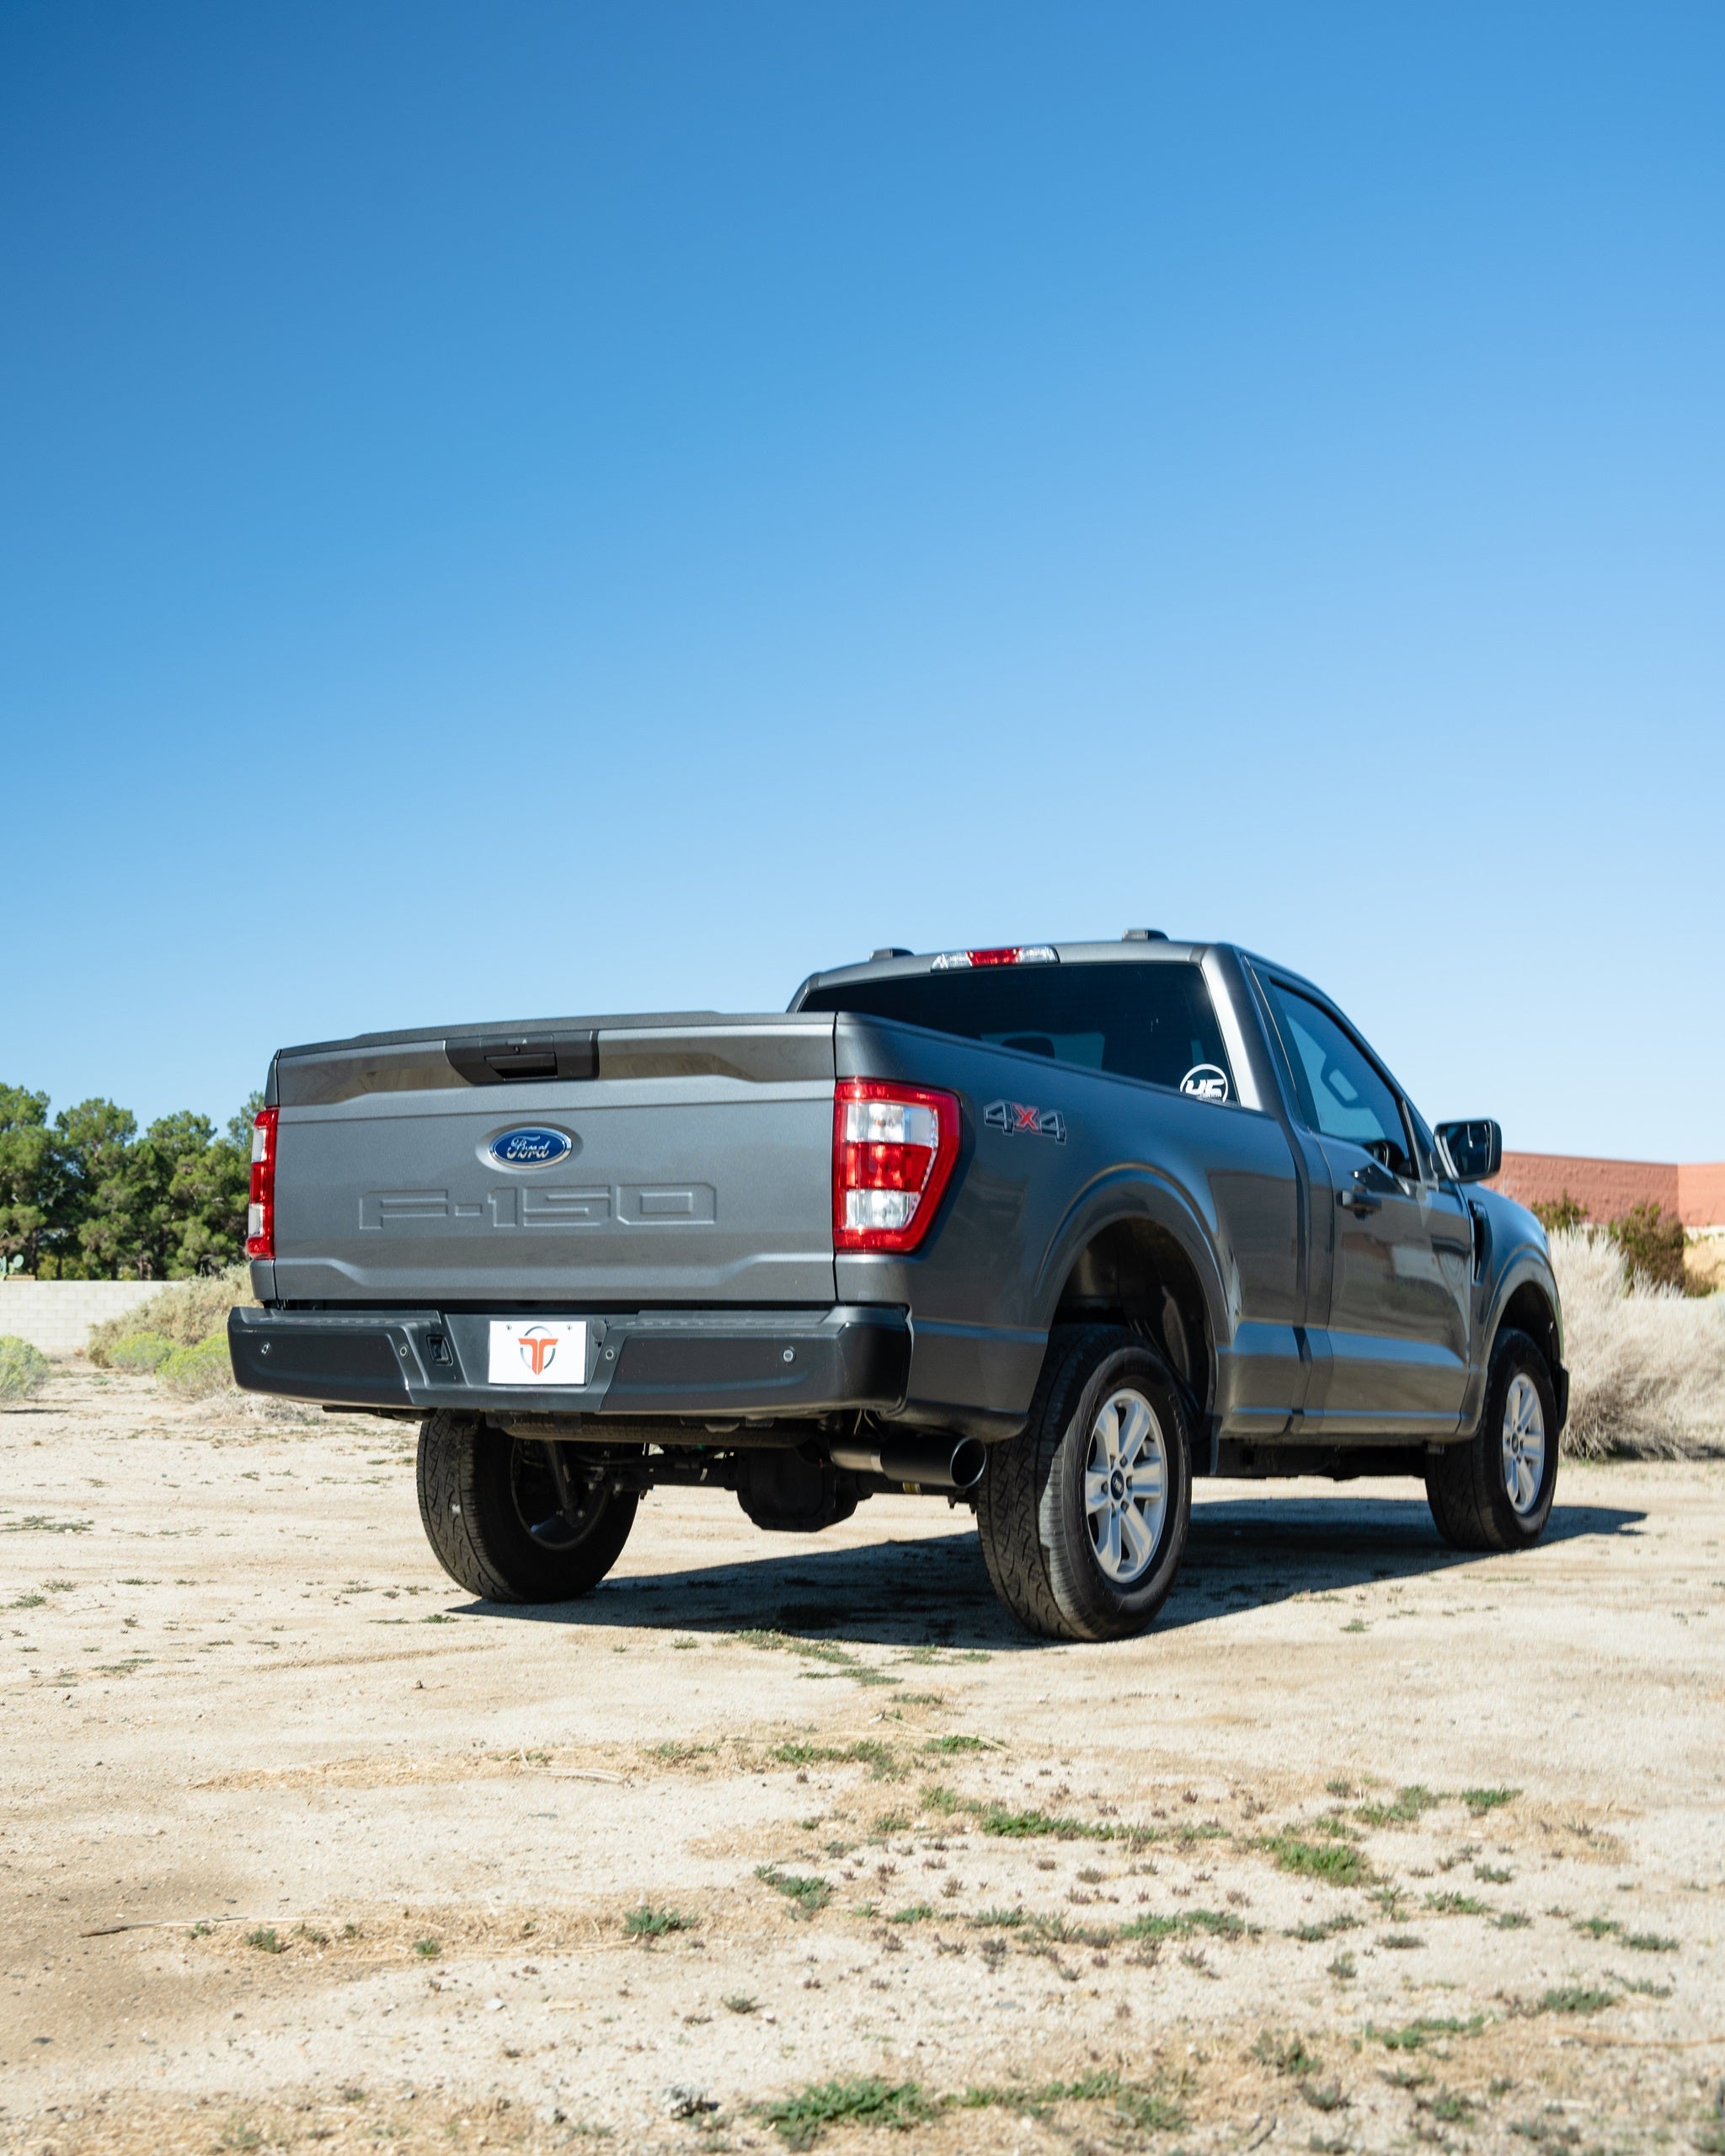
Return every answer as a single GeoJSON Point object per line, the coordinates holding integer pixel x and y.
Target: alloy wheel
{"type": "Point", "coordinates": [1523, 1444]}
{"type": "Point", "coordinates": [1125, 1485]}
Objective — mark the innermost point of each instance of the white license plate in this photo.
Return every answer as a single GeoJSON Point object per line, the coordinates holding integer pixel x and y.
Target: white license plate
{"type": "Point", "coordinates": [538, 1352]}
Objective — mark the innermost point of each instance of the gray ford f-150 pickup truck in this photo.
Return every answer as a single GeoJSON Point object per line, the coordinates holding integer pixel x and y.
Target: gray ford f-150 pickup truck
{"type": "Point", "coordinates": [1048, 1230]}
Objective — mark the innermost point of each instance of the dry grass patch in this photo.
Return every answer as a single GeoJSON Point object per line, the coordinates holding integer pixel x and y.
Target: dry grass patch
{"type": "Point", "coordinates": [1647, 1364]}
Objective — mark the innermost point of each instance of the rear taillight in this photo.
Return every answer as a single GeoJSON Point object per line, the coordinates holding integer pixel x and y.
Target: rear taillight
{"type": "Point", "coordinates": [893, 1151]}
{"type": "Point", "coordinates": [260, 1213]}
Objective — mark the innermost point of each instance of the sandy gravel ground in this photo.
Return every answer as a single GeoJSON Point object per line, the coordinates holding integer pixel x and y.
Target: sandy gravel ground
{"type": "Point", "coordinates": [1364, 1845]}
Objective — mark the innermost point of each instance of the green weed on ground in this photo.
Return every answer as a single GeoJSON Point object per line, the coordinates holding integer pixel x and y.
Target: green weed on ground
{"type": "Point", "coordinates": [880, 1759]}
{"type": "Point", "coordinates": [646, 1922]}
{"type": "Point", "coordinates": [801, 2119]}
{"type": "Point", "coordinates": [1007, 1824]}
{"type": "Point", "coordinates": [1185, 1923]}
{"type": "Point", "coordinates": [1412, 1804]}
{"type": "Point", "coordinates": [1287, 2055]}
{"type": "Point", "coordinates": [1149, 2110]}
{"type": "Point", "coordinates": [1414, 2035]}
{"type": "Point", "coordinates": [842, 1662]}
{"type": "Point", "coordinates": [1314, 1935]}
{"type": "Point", "coordinates": [807, 1891]}
{"type": "Point", "coordinates": [1338, 1863]}
{"type": "Point", "coordinates": [1641, 1942]}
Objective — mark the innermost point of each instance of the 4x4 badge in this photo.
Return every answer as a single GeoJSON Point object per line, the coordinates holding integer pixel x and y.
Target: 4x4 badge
{"type": "Point", "coordinates": [1019, 1121]}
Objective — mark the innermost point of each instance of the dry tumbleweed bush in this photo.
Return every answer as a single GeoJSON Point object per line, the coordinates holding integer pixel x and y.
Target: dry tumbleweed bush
{"type": "Point", "coordinates": [1647, 1366]}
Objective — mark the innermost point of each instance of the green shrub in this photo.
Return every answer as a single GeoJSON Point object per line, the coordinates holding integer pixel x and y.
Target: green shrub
{"type": "Point", "coordinates": [145, 1351]}
{"type": "Point", "coordinates": [1652, 1243]}
{"type": "Point", "coordinates": [196, 1372]}
{"type": "Point", "coordinates": [23, 1368]}
{"type": "Point", "coordinates": [1557, 1214]}
{"type": "Point", "coordinates": [185, 1313]}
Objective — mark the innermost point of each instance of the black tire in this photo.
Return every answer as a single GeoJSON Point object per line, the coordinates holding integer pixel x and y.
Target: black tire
{"type": "Point", "coordinates": [492, 1513]}
{"type": "Point", "coordinates": [1031, 1514]}
{"type": "Point", "coordinates": [1467, 1484]}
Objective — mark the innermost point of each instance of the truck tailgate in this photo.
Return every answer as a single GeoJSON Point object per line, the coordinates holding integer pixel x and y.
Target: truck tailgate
{"type": "Point", "coordinates": [693, 1165]}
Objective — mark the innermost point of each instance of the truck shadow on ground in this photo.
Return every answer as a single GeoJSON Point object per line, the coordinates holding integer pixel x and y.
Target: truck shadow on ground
{"type": "Point", "coordinates": [931, 1594]}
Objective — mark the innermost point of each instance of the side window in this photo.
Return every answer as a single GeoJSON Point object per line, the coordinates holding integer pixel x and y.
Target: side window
{"type": "Point", "coordinates": [1342, 1094]}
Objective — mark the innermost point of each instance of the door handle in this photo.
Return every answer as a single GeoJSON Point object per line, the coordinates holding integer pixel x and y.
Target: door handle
{"type": "Point", "coordinates": [1359, 1200]}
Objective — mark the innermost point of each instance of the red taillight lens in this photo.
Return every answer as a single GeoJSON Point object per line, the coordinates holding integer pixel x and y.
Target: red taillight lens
{"type": "Point", "coordinates": [892, 1150]}
{"type": "Point", "coordinates": [260, 1213]}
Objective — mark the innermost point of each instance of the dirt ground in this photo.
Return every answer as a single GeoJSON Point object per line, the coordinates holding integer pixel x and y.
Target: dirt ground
{"type": "Point", "coordinates": [1363, 1845]}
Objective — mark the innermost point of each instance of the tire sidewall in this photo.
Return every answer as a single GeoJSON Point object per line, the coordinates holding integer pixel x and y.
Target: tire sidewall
{"type": "Point", "coordinates": [1095, 1607]}
{"type": "Point", "coordinates": [475, 1528]}
{"type": "Point", "coordinates": [1518, 1356]}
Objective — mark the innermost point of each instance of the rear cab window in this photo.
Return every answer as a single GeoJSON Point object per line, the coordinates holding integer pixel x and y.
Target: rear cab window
{"type": "Point", "coordinates": [1150, 1020]}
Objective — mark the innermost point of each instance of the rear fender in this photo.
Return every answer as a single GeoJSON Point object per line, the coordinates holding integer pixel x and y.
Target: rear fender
{"type": "Point", "coordinates": [1131, 1195]}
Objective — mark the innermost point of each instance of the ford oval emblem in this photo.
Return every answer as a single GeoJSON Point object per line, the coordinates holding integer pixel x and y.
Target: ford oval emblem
{"type": "Point", "coordinates": [530, 1146]}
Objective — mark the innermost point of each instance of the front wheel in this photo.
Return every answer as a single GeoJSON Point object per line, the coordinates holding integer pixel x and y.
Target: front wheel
{"type": "Point", "coordinates": [510, 1520]}
{"type": "Point", "coordinates": [1494, 1491]}
{"type": "Point", "coordinates": [1083, 1515]}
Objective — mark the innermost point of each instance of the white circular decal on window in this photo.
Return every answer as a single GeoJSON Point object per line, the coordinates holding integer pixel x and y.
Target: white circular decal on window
{"type": "Point", "coordinates": [1205, 1081]}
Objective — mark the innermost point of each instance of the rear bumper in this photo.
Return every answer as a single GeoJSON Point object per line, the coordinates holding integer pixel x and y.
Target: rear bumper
{"type": "Point", "coordinates": [717, 1363]}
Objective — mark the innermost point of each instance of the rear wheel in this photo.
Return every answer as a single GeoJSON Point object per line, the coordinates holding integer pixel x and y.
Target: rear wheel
{"type": "Point", "coordinates": [511, 1521]}
{"type": "Point", "coordinates": [1083, 1515]}
{"type": "Point", "coordinates": [1495, 1490]}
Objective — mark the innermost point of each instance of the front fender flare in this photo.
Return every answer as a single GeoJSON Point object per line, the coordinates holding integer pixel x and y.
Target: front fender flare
{"type": "Point", "coordinates": [1522, 1265]}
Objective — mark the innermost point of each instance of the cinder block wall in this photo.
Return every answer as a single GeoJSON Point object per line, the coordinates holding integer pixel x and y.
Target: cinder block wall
{"type": "Point", "coordinates": [56, 1315]}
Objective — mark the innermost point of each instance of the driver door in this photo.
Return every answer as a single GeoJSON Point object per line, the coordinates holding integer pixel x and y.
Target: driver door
{"type": "Point", "coordinates": [1400, 1238]}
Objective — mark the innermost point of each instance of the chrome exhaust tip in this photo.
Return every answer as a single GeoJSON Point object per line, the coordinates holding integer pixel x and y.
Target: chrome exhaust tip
{"type": "Point", "coordinates": [922, 1464]}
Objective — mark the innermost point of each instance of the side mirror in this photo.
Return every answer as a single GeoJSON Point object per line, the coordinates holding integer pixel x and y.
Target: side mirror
{"type": "Point", "coordinates": [1475, 1149]}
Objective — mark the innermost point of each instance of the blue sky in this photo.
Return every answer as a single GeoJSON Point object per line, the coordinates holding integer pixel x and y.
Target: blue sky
{"type": "Point", "coordinates": [566, 508]}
